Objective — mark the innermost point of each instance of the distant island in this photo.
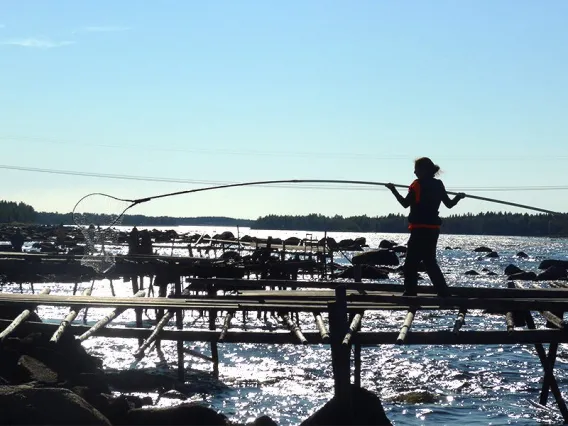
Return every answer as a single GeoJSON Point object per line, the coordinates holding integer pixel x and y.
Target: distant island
{"type": "Point", "coordinates": [489, 223]}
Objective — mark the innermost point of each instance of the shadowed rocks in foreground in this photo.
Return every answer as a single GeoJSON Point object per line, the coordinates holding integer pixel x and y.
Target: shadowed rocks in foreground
{"type": "Point", "coordinates": [366, 409]}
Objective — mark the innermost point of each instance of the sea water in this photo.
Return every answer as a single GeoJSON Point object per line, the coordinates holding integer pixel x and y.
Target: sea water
{"type": "Point", "coordinates": [462, 384]}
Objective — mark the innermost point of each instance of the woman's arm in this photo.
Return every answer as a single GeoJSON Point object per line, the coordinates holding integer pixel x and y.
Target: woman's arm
{"type": "Point", "coordinates": [404, 201]}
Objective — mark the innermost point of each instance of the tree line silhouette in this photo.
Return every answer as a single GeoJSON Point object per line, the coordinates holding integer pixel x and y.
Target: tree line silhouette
{"type": "Point", "coordinates": [489, 223]}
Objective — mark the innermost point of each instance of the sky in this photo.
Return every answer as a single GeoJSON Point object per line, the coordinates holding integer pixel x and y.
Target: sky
{"type": "Point", "coordinates": [175, 95]}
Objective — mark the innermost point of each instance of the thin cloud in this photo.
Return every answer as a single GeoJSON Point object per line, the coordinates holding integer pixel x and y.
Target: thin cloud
{"type": "Point", "coordinates": [104, 29]}
{"type": "Point", "coordinates": [37, 43]}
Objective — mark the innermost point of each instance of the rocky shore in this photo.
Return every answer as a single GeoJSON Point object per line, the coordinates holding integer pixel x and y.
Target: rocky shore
{"type": "Point", "coordinates": [42, 383]}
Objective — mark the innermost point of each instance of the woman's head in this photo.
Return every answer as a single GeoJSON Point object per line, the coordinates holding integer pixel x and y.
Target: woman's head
{"type": "Point", "coordinates": [424, 167]}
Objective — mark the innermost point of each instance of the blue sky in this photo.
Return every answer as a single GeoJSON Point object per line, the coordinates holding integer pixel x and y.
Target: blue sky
{"type": "Point", "coordinates": [233, 91]}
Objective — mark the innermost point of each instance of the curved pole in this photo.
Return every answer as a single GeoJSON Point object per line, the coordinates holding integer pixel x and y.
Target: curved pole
{"type": "Point", "coordinates": [352, 182]}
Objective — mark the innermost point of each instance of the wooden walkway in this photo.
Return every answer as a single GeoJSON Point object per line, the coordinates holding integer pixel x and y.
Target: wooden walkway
{"type": "Point", "coordinates": [338, 311]}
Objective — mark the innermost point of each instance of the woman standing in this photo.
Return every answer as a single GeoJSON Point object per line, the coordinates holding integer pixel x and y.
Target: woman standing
{"type": "Point", "coordinates": [424, 197]}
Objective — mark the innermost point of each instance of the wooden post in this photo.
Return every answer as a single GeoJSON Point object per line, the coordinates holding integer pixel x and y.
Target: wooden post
{"type": "Point", "coordinates": [139, 354]}
{"type": "Point", "coordinates": [226, 325]}
{"type": "Point", "coordinates": [107, 319]}
{"type": "Point", "coordinates": [212, 317]}
{"type": "Point", "coordinates": [357, 275]}
{"type": "Point", "coordinates": [137, 311]}
{"type": "Point", "coordinates": [179, 326]}
{"type": "Point", "coordinates": [549, 378]}
{"type": "Point", "coordinates": [460, 321]}
{"type": "Point", "coordinates": [321, 327]}
{"type": "Point", "coordinates": [552, 350]}
{"type": "Point", "coordinates": [73, 312]}
{"type": "Point", "coordinates": [340, 353]}
{"type": "Point", "coordinates": [406, 326]}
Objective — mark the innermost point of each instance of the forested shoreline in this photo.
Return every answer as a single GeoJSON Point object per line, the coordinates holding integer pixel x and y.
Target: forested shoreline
{"type": "Point", "coordinates": [489, 223]}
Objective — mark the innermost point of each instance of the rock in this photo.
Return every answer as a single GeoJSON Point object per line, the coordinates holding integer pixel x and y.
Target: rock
{"type": "Point", "coordinates": [522, 254]}
{"type": "Point", "coordinates": [416, 397]}
{"type": "Point", "coordinates": [367, 271]}
{"type": "Point", "coordinates": [485, 270]}
{"type": "Point", "coordinates": [491, 273]}
{"type": "Point", "coordinates": [399, 249]}
{"type": "Point", "coordinates": [32, 370]}
{"type": "Point", "coordinates": [483, 249]}
{"type": "Point", "coordinates": [174, 394]}
{"type": "Point", "coordinates": [365, 409]}
{"type": "Point", "coordinates": [553, 273]}
{"type": "Point", "coordinates": [376, 257]}
{"type": "Point", "coordinates": [512, 269]}
{"type": "Point", "coordinates": [492, 254]}
{"type": "Point", "coordinates": [264, 421]}
{"type": "Point", "coordinates": [24, 405]}
{"type": "Point", "coordinates": [523, 276]}
{"type": "Point", "coordinates": [471, 272]}
{"type": "Point", "coordinates": [292, 241]}
{"type": "Point", "coordinates": [448, 248]}
{"type": "Point", "coordinates": [230, 255]}
{"type": "Point", "coordinates": [547, 263]}
{"type": "Point", "coordinates": [360, 241]}
{"type": "Point", "coordinates": [387, 244]}
{"type": "Point", "coordinates": [328, 242]}
{"type": "Point", "coordinates": [184, 414]}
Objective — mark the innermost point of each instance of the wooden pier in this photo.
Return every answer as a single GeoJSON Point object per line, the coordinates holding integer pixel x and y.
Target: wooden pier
{"type": "Point", "coordinates": [338, 308]}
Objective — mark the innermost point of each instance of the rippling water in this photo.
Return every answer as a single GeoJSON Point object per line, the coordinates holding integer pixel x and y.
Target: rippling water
{"type": "Point", "coordinates": [475, 385]}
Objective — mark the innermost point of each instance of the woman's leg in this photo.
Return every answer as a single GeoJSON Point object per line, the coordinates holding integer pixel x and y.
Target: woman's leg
{"type": "Point", "coordinates": [411, 262]}
{"type": "Point", "coordinates": [430, 242]}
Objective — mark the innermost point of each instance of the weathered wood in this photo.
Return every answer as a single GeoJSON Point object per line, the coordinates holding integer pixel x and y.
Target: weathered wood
{"type": "Point", "coordinates": [86, 311]}
{"type": "Point", "coordinates": [212, 317]}
{"type": "Point", "coordinates": [365, 338]}
{"type": "Point", "coordinates": [103, 322]}
{"type": "Point", "coordinates": [321, 326]}
{"type": "Point", "coordinates": [197, 354]}
{"type": "Point", "coordinates": [161, 324]}
{"type": "Point", "coordinates": [551, 358]}
{"type": "Point", "coordinates": [553, 319]}
{"type": "Point", "coordinates": [353, 327]}
{"type": "Point", "coordinates": [19, 319]}
{"type": "Point", "coordinates": [179, 326]}
{"type": "Point", "coordinates": [294, 329]}
{"type": "Point", "coordinates": [340, 354]}
{"type": "Point", "coordinates": [73, 312]}
{"type": "Point", "coordinates": [226, 325]}
{"type": "Point", "coordinates": [509, 319]}
{"type": "Point", "coordinates": [355, 302]}
{"type": "Point", "coordinates": [405, 326]}
{"type": "Point", "coordinates": [460, 321]}
{"type": "Point", "coordinates": [548, 371]}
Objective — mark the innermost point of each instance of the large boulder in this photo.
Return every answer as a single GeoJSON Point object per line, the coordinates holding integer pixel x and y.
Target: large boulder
{"type": "Point", "coordinates": [367, 271]}
{"type": "Point", "coordinates": [553, 273]}
{"type": "Point", "coordinates": [512, 269]}
{"type": "Point", "coordinates": [25, 405]}
{"type": "Point", "coordinates": [523, 276]}
{"type": "Point", "coordinates": [365, 409]}
{"type": "Point", "coordinates": [376, 257]}
{"type": "Point", "coordinates": [547, 263]}
{"type": "Point", "coordinates": [483, 249]}
{"type": "Point", "coordinates": [183, 414]}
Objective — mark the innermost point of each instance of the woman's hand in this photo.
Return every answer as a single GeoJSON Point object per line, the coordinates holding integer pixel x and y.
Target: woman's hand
{"type": "Point", "coordinates": [390, 186]}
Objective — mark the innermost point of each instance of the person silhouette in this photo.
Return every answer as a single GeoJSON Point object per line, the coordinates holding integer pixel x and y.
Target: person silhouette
{"type": "Point", "coordinates": [424, 197]}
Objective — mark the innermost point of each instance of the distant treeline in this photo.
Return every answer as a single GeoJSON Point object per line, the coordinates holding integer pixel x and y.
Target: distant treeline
{"type": "Point", "coordinates": [491, 223]}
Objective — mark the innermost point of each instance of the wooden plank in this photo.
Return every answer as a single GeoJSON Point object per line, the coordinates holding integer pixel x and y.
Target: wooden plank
{"type": "Point", "coordinates": [226, 325]}
{"type": "Point", "coordinates": [19, 319]}
{"type": "Point", "coordinates": [493, 337]}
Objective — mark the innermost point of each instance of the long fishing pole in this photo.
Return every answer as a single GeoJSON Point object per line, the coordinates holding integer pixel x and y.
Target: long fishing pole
{"type": "Point", "coordinates": [271, 182]}
{"type": "Point", "coordinates": [352, 182]}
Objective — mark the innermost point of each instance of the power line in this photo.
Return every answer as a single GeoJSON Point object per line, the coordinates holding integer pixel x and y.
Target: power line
{"type": "Point", "coordinates": [303, 186]}
{"type": "Point", "coordinates": [293, 154]}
